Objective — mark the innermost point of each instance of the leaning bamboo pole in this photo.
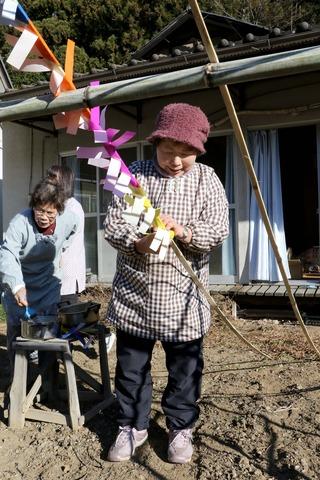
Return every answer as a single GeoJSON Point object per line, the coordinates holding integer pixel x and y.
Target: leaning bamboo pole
{"type": "Point", "coordinates": [160, 85]}
{"type": "Point", "coordinates": [223, 317]}
{"type": "Point", "coordinates": [249, 165]}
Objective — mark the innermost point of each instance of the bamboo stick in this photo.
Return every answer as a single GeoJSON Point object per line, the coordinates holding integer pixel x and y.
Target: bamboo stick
{"type": "Point", "coordinates": [211, 301]}
{"type": "Point", "coordinates": [182, 81]}
{"type": "Point", "coordinates": [248, 163]}
{"type": "Point", "coordinates": [280, 64]}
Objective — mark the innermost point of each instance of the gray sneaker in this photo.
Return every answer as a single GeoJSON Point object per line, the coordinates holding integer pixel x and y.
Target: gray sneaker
{"type": "Point", "coordinates": [180, 446]}
{"type": "Point", "coordinates": [128, 439]}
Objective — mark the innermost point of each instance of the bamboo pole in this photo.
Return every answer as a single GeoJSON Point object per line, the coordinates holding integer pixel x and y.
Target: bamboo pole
{"type": "Point", "coordinates": [116, 92]}
{"type": "Point", "coordinates": [281, 64]}
{"type": "Point", "coordinates": [211, 301]}
{"type": "Point", "coordinates": [248, 163]}
{"type": "Point", "coordinates": [182, 81]}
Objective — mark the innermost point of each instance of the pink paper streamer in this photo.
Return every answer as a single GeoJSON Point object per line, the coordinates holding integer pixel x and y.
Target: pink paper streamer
{"type": "Point", "coordinates": [108, 149]}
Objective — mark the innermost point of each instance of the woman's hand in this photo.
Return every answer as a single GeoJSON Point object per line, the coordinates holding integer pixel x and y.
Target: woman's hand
{"type": "Point", "coordinates": [181, 232]}
{"type": "Point", "coordinates": [171, 224]}
{"type": "Point", "coordinates": [21, 297]}
{"type": "Point", "coordinates": [143, 245]}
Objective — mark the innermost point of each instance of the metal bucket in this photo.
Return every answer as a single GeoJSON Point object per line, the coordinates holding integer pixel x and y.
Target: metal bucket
{"type": "Point", "coordinates": [41, 327]}
{"type": "Point", "coordinates": [83, 312]}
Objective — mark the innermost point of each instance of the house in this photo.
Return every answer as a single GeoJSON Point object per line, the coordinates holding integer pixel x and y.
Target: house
{"type": "Point", "coordinates": [5, 85]}
{"type": "Point", "coordinates": [280, 117]}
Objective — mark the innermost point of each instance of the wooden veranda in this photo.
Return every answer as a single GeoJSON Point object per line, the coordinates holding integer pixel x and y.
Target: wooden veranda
{"type": "Point", "coordinates": [270, 300]}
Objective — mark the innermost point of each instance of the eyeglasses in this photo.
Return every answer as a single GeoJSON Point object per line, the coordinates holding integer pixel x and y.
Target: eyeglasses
{"type": "Point", "coordinates": [45, 213]}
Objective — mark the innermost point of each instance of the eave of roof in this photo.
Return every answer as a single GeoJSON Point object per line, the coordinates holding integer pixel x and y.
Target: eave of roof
{"type": "Point", "coordinates": [260, 46]}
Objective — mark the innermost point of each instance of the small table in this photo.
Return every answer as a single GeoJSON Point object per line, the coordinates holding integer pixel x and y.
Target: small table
{"type": "Point", "coordinates": [57, 350]}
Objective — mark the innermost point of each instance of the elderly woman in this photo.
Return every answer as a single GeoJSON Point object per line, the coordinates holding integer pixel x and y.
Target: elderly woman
{"type": "Point", "coordinates": [30, 256]}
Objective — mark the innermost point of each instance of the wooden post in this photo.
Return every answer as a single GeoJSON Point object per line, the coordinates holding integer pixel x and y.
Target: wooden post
{"type": "Point", "coordinates": [248, 163]}
{"type": "Point", "coordinates": [73, 399]}
{"type": "Point", "coordinates": [18, 390]}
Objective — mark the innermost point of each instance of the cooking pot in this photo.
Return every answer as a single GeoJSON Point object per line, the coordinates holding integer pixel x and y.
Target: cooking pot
{"type": "Point", "coordinates": [76, 313]}
{"type": "Point", "coordinates": [40, 327]}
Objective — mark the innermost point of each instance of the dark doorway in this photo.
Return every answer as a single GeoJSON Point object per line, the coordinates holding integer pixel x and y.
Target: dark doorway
{"type": "Point", "coordinates": [298, 160]}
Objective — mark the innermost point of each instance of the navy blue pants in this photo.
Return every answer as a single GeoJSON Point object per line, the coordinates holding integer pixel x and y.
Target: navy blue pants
{"type": "Point", "coordinates": [133, 382]}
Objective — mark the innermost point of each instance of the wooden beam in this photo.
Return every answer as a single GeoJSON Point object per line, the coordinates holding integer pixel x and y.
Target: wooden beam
{"type": "Point", "coordinates": [160, 85]}
{"type": "Point", "coordinates": [111, 93]}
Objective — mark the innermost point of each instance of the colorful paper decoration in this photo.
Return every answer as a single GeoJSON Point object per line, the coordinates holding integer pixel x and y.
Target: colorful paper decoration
{"type": "Point", "coordinates": [30, 53]}
{"type": "Point", "coordinates": [118, 176]}
{"type": "Point", "coordinates": [11, 13]}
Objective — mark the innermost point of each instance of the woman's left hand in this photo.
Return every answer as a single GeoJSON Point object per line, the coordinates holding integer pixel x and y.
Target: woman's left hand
{"type": "Point", "coordinates": [171, 224]}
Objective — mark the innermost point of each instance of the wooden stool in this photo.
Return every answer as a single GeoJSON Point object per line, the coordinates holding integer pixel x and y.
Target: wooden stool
{"type": "Point", "coordinates": [21, 401]}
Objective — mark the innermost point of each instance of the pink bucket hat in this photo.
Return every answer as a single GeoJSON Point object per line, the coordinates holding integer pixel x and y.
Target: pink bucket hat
{"type": "Point", "coordinates": [184, 123]}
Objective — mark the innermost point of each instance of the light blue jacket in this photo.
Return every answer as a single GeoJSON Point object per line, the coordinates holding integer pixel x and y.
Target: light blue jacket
{"type": "Point", "coordinates": [29, 258]}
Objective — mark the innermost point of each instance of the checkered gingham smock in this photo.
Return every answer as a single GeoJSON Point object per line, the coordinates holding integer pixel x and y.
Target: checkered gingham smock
{"type": "Point", "coordinates": [157, 299]}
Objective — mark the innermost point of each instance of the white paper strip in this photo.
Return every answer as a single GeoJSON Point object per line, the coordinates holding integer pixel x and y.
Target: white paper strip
{"type": "Point", "coordinates": [56, 78]}
{"type": "Point", "coordinates": [164, 245]}
{"type": "Point", "coordinates": [100, 136]}
{"type": "Point", "coordinates": [147, 221]}
{"type": "Point", "coordinates": [124, 179]}
{"type": "Point", "coordinates": [35, 65]}
{"type": "Point", "coordinates": [114, 168]}
{"type": "Point", "coordinates": [156, 242]}
{"type": "Point", "coordinates": [22, 49]}
{"type": "Point", "coordinates": [9, 9]}
{"type": "Point", "coordinates": [121, 190]}
{"type": "Point", "coordinates": [98, 161]}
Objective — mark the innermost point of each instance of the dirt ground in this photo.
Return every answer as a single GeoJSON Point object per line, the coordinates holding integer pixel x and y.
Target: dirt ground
{"type": "Point", "coordinates": [260, 418]}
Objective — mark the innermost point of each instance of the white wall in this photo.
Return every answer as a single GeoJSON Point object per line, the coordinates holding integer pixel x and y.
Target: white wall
{"type": "Point", "coordinates": [26, 154]}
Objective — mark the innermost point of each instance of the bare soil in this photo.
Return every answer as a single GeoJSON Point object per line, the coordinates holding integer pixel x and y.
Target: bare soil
{"type": "Point", "coordinates": [260, 418]}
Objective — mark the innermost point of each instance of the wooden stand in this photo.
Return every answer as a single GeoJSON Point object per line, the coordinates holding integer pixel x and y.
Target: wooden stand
{"type": "Point", "coordinates": [21, 401]}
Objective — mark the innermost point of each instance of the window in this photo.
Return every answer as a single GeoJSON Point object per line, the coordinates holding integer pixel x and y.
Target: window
{"type": "Point", "coordinates": [94, 200]}
{"type": "Point", "coordinates": [219, 156]}
{"type": "Point", "coordinates": [85, 191]}
{"type": "Point", "coordinates": [101, 257]}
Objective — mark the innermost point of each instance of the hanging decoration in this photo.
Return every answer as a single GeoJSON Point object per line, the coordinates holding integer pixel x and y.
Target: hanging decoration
{"type": "Point", "coordinates": [30, 53]}
{"type": "Point", "coordinates": [120, 181]}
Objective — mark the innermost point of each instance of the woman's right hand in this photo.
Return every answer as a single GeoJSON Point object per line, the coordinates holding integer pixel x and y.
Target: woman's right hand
{"type": "Point", "coordinates": [143, 244]}
{"type": "Point", "coordinates": [21, 297]}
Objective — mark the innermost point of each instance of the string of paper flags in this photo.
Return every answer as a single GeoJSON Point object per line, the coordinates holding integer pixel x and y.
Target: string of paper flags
{"type": "Point", "coordinates": [30, 53]}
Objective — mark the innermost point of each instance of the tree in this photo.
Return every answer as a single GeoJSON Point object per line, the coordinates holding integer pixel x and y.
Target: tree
{"type": "Point", "coordinates": [108, 32]}
{"type": "Point", "coordinates": [284, 14]}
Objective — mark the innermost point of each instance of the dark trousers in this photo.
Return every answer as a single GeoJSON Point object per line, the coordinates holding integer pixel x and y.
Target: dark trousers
{"type": "Point", "coordinates": [133, 382]}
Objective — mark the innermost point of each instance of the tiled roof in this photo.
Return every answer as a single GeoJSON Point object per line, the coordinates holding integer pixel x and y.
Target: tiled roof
{"type": "Point", "coordinates": [5, 81]}
{"type": "Point", "coordinates": [177, 47]}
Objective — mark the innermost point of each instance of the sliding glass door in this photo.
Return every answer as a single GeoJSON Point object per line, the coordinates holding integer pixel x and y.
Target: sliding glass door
{"type": "Point", "coordinates": [100, 256]}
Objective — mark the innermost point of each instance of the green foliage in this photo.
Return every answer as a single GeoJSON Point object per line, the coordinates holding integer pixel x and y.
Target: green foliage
{"type": "Point", "coordinates": [269, 13]}
{"type": "Point", "coordinates": [108, 32]}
